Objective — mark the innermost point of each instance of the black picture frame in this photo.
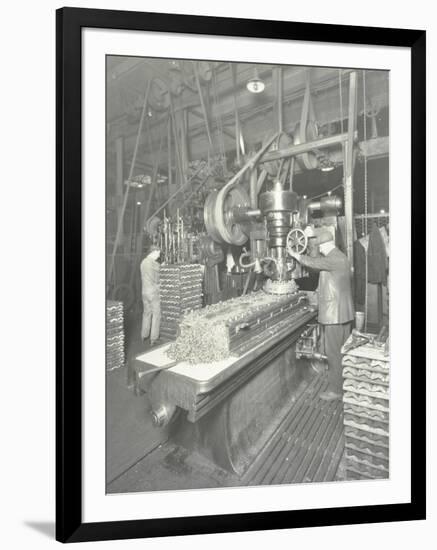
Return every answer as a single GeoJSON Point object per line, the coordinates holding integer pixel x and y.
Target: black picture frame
{"type": "Point", "coordinates": [69, 24]}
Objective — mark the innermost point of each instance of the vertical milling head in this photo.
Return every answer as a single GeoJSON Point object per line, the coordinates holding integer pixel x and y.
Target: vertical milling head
{"type": "Point", "coordinates": [277, 205]}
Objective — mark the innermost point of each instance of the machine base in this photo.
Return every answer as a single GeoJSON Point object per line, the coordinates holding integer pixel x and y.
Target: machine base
{"type": "Point", "coordinates": [295, 452]}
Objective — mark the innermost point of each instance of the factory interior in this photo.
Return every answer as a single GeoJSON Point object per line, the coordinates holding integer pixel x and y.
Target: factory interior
{"type": "Point", "coordinates": [247, 275]}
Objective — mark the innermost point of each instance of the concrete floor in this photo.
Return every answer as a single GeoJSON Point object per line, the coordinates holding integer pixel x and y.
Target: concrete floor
{"type": "Point", "coordinates": [171, 467]}
{"type": "Point", "coordinates": [130, 434]}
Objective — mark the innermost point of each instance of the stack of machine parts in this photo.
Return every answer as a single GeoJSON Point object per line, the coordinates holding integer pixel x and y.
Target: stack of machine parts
{"type": "Point", "coordinates": [366, 371]}
{"type": "Point", "coordinates": [235, 326]}
{"type": "Point", "coordinates": [114, 335]}
{"type": "Point", "coordinates": [181, 292]}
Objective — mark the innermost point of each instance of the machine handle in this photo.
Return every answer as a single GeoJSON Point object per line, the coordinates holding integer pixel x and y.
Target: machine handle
{"type": "Point", "coordinates": [297, 241]}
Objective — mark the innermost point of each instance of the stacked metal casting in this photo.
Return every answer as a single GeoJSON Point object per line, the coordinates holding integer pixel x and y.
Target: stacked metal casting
{"type": "Point", "coordinates": [366, 411]}
{"type": "Point", "coordinates": [234, 326]}
{"type": "Point", "coordinates": [181, 292]}
{"type": "Point", "coordinates": [114, 335]}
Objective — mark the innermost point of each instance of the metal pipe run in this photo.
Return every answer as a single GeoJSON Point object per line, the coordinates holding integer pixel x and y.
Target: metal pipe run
{"type": "Point", "coordinates": [305, 147]}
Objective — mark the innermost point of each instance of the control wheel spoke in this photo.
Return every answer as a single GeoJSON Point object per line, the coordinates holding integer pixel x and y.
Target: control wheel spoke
{"type": "Point", "coordinates": [297, 241]}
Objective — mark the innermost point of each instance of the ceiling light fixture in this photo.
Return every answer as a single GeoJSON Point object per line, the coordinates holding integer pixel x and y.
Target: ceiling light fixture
{"type": "Point", "coordinates": [255, 85]}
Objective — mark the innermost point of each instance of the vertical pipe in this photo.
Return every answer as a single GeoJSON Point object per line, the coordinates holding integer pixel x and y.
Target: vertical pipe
{"type": "Point", "coordinates": [348, 167]}
{"type": "Point", "coordinates": [291, 175]}
{"type": "Point", "coordinates": [204, 111]}
{"type": "Point", "coordinates": [279, 98]}
{"type": "Point", "coordinates": [253, 187]}
{"type": "Point", "coordinates": [182, 180]}
{"type": "Point", "coordinates": [119, 178]}
{"type": "Point", "coordinates": [152, 186]}
{"type": "Point", "coordinates": [233, 67]}
{"type": "Point", "coordinates": [184, 139]}
{"type": "Point", "coordinates": [261, 180]}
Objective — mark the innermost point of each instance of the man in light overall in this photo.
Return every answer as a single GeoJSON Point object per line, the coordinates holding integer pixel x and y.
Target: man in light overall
{"type": "Point", "coordinates": [150, 293]}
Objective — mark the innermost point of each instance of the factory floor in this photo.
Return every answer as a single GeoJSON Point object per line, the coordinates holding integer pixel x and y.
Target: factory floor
{"type": "Point", "coordinates": [171, 467]}
{"type": "Point", "coordinates": [130, 434]}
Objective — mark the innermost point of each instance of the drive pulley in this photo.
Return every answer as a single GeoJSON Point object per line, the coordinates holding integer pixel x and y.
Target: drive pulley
{"type": "Point", "coordinates": [219, 215]}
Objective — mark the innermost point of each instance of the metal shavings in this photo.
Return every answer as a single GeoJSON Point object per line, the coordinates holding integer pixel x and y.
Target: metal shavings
{"type": "Point", "coordinates": [205, 334]}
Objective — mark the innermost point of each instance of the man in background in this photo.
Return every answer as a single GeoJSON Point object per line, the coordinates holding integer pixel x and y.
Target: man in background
{"type": "Point", "coordinates": [150, 293]}
{"type": "Point", "coordinates": [336, 309]}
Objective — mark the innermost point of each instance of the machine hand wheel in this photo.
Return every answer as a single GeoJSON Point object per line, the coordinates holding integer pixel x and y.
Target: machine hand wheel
{"type": "Point", "coordinates": [297, 241]}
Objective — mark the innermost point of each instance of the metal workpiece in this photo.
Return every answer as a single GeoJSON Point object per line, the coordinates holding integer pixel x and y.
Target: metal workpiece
{"type": "Point", "coordinates": [279, 287]}
{"type": "Point", "coordinates": [218, 331]}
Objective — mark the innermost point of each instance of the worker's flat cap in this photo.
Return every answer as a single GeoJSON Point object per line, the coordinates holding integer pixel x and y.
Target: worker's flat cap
{"type": "Point", "coordinates": [324, 236]}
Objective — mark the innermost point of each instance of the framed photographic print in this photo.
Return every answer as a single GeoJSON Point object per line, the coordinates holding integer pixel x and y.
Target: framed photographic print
{"type": "Point", "coordinates": [240, 256]}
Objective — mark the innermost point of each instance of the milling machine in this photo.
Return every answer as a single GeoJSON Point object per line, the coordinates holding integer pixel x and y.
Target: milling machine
{"type": "Point", "coordinates": [231, 408]}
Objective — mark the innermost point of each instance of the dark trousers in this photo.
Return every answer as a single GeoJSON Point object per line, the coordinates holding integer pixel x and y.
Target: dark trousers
{"type": "Point", "coordinates": [334, 336]}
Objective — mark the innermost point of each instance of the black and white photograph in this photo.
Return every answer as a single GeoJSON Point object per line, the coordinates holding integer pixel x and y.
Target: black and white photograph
{"type": "Point", "coordinates": [218, 290]}
{"type": "Point", "coordinates": [247, 274]}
